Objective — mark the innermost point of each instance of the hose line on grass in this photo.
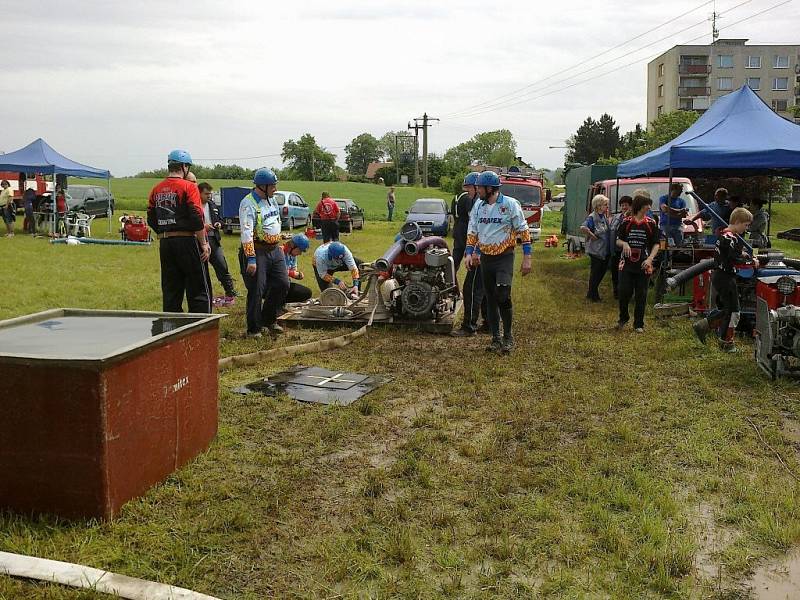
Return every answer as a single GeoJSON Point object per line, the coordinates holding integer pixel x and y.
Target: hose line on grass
{"type": "Point", "coordinates": [79, 576]}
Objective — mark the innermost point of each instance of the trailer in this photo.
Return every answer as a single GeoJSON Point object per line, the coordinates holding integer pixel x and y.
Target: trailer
{"type": "Point", "coordinates": [577, 202]}
{"type": "Point", "coordinates": [231, 197]}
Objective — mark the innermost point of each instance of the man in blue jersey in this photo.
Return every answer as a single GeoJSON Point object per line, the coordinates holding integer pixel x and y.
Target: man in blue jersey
{"type": "Point", "coordinates": [495, 223]}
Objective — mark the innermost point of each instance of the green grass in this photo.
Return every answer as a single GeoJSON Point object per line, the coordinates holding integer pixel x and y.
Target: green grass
{"type": "Point", "coordinates": [572, 469]}
{"type": "Point", "coordinates": [131, 193]}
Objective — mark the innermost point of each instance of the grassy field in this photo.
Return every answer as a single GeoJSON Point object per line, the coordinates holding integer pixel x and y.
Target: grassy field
{"type": "Point", "coordinates": [131, 193]}
{"type": "Point", "coordinates": [588, 464]}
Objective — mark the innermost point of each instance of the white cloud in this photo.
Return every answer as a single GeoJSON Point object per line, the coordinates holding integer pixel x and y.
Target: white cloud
{"type": "Point", "coordinates": [119, 84]}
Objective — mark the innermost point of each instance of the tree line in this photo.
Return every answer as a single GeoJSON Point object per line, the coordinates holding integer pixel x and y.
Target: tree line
{"type": "Point", "coordinates": [306, 160]}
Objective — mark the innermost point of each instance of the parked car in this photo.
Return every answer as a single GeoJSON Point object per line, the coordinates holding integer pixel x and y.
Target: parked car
{"type": "Point", "coordinates": [350, 215]}
{"type": "Point", "coordinates": [294, 210]}
{"type": "Point", "coordinates": [431, 215]}
{"type": "Point", "coordinates": [89, 199]}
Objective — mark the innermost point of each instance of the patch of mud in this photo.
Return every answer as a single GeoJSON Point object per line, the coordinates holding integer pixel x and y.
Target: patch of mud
{"type": "Point", "coordinates": [777, 580]}
{"type": "Point", "coordinates": [711, 541]}
{"type": "Point", "coordinates": [791, 429]}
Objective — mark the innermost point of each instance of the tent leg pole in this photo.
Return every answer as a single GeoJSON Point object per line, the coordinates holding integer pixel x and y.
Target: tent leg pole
{"type": "Point", "coordinates": [108, 210]}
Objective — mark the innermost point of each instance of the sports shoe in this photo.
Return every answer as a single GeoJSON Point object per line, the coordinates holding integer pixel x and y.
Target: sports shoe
{"type": "Point", "coordinates": [639, 330]}
{"type": "Point", "coordinates": [621, 325]}
{"type": "Point", "coordinates": [274, 329]}
{"type": "Point", "coordinates": [228, 301]}
{"type": "Point", "coordinates": [728, 347]}
{"type": "Point", "coordinates": [253, 335]}
{"type": "Point", "coordinates": [461, 332]}
{"type": "Point", "coordinates": [495, 346]}
{"type": "Point", "coordinates": [507, 345]}
{"type": "Point", "coordinates": [484, 328]}
{"type": "Point", "coordinates": [701, 329]}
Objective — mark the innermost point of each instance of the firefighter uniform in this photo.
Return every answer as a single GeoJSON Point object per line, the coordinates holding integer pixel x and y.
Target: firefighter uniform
{"type": "Point", "coordinates": [492, 233]}
{"type": "Point", "coordinates": [175, 213]}
{"type": "Point", "coordinates": [260, 221]}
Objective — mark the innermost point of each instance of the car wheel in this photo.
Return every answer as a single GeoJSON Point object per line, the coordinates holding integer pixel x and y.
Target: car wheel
{"type": "Point", "coordinates": [291, 223]}
{"type": "Point", "coordinates": [349, 227]}
{"type": "Point", "coordinates": [362, 224]}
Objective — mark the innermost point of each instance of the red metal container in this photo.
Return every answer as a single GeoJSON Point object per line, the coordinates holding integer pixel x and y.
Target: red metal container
{"type": "Point", "coordinates": [98, 406]}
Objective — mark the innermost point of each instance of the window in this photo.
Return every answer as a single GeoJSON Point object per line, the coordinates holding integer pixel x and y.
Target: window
{"type": "Point", "coordinates": [725, 83]}
{"type": "Point", "coordinates": [660, 110]}
{"type": "Point", "coordinates": [780, 62]}
{"type": "Point", "coordinates": [753, 62]}
{"type": "Point", "coordinates": [726, 61]}
{"type": "Point", "coordinates": [780, 105]}
{"type": "Point", "coordinates": [661, 70]}
{"type": "Point", "coordinates": [686, 104]}
{"type": "Point", "coordinates": [780, 83]}
{"type": "Point", "coordinates": [754, 83]}
{"type": "Point", "coordinates": [661, 91]}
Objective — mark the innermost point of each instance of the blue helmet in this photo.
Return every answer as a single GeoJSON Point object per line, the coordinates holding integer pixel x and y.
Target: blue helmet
{"type": "Point", "coordinates": [489, 179]}
{"type": "Point", "coordinates": [179, 156]}
{"type": "Point", "coordinates": [471, 178]}
{"type": "Point", "coordinates": [264, 176]}
{"type": "Point", "coordinates": [336, 250]}
{"type": "Point", "coordinates": [300, 241]}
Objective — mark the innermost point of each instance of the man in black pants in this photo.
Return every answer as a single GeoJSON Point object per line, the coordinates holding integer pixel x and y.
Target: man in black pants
{"type": "Point", "coordinates": [213, 224]}
{"type": "Point", "coordinates": [261, 257]}
{"type": "Point", "coordinates": [494, 225]}
{"type": "Point", "coordinates": [174, 212]}
{"type": "Point", "coordinates": [472, 291]}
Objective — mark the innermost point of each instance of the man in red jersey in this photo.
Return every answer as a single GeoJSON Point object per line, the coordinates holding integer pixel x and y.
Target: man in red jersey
{"type": "Point", "coordinates": [175, 213]}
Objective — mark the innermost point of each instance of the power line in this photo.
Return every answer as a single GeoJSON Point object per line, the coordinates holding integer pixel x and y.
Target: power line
{"type": "Point", "coordinates": [261, 156]}
{"type": "Point", "coordinates": [581, 63]}
{"type": "Point", "coordinates": [603, 74]}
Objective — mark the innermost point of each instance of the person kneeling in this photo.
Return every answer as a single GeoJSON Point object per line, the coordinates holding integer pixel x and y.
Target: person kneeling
{"type": "Point", "coordinates": [332, 258]}
{"type": "Point", "coordinates": [291, 250]}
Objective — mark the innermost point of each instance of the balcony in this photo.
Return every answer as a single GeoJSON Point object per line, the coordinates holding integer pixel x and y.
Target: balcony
{"type": "Point", "coordinates": [689, 92]}
{"type": "Point", "coordinates": [685, 69]}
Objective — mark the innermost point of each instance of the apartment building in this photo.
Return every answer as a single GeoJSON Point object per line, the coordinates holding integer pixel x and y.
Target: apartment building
{"type": "Point", "coordinates": [692, 77]}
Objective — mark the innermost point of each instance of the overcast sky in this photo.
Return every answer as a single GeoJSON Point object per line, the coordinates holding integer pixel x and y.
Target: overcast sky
{"type": "Point", "coordinates": [118, 84]}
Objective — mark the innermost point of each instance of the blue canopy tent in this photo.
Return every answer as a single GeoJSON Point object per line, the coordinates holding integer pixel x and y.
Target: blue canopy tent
{"type": "Point", "coordinates": [40, 158]}
{"type": "Point", "coordinates": [738, 136]}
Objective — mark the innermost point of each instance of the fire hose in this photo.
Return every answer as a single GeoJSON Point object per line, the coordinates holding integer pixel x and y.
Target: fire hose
{"type": "Point", "coordinates": [79, 576]}
{"type": "Point", "coordinates": [254, 358]}
{"type": "Point", "coordinates": [687, 274]}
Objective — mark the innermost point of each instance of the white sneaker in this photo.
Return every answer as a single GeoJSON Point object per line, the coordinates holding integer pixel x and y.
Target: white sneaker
{"type": "Point", "coordinates": [639, 330]}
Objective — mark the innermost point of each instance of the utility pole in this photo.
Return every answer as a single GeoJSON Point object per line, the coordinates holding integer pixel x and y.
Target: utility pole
{"type": "Point", "coordinates": [416, 129]}
{"type": "Point", "coordinates": [425, 124]}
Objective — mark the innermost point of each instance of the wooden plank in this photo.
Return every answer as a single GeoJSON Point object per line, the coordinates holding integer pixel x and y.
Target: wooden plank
{"type": "Point", "coordinates": [443, 326]}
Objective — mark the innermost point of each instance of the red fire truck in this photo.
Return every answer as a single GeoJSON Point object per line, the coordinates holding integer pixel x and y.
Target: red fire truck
{"type": "Point", "coordinates": [19, 183]}
{"type": "Point", "coordinates": [528, 188]}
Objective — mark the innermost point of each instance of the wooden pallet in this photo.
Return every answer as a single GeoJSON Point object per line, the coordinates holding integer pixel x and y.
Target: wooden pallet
{"type": "Point", "coordinates": [444, 325]}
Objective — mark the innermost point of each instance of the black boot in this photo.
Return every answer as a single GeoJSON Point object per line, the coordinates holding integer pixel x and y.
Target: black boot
{"type": "Point", "coordinates": [506, 316]}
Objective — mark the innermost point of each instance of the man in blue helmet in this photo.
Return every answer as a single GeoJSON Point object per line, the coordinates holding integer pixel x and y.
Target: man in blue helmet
{"type": "Point", "coordinates": [472, 290]}
{"type": "Point", "coordinates": [261, 257]}
{"type": "Point", "coordinates": [495, 223]}
{"type": "Point", "coordinates": [332, 258]}
{"type": "Point", "coordinates": [291, 250]}
{"type": "Point", "coordinates": [175, 213]}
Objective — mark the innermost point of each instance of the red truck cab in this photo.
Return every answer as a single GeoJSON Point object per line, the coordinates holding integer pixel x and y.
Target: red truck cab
{"type": "Point", "coordinates": [19, 184]}
{"type": "Point", "coordinates": [528, 188]}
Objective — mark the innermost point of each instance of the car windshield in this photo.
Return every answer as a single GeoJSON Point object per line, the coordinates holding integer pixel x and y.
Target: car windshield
{"type": "Point", "coordinates": [279, 198]}
{"type": "Point", "coordinates": [430, 207]}
{"type": "Point", "coordinates": [77, 193]}
{"type": "Point", "coordinates": [341, 204]}
{"type": "Point", "coordinates": [656, 189]}
{"type": "Point", "coordinates": [527, 195]}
